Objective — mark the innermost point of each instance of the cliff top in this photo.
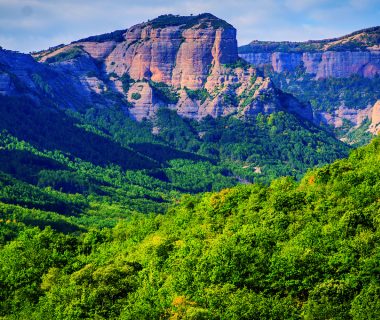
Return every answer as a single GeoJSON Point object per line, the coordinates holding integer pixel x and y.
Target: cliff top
{"type": "Point", "coordinates": [187, 22]}
{"type": "Point", "coordinates": [361, 40]}
{"type": "Point", "coordinates": [162, 21]}
{"type": "Point", "coordinates": [116, 35]}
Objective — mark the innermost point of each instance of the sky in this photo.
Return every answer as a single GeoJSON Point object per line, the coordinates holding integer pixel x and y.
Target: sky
{"type": "Point", "coordinates": [32, 25]}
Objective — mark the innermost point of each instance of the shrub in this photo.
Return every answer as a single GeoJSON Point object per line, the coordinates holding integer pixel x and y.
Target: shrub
{"type": "Point", "coordinates": [72, 53]}
{"type": "Point", "coordinates": [164, 92]}
{"type": "Point", "coordinates": [198, 94]}
{"type": "Point", "coordinates": [136, 96]}
{"type": "Point", "coordinates": [126, 81]}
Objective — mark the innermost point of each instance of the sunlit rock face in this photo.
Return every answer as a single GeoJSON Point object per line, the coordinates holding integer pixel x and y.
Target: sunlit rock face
{"type": "Point", "coordinates": [375, 118]}
{"type": "Point", "coordinates": [357, 53]}
{"type": "Point", "coordinates": [321, 64]}
{"type": "Point", "coordinates": [179, 55]}
{"type": "Point", "coordinates": [188, 64]}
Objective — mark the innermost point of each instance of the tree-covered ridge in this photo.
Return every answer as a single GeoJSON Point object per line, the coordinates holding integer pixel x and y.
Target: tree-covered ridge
{"type": "Point", "coordinates": [187, 22]}
{"type": "Point", "coordinates": [328, 95]}
{"type": "Point", "coordinates": [289, 250]}
{"type": "Point", "coordinates": [280, 144]}
{"type": "Point", "coordinates": [359, 40]}
{"type": "Point", "coordinates": [117, 36]}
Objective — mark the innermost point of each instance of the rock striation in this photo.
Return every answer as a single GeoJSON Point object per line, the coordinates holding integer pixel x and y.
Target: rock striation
{"type": "Point", "coordinates": [187, 63]}
{"type": "Point", "coordinates": [321, 64]}
{"type": "Point", "coordinates": [357, 53]}
{"type": "Point", "coordinates": [374, 127]}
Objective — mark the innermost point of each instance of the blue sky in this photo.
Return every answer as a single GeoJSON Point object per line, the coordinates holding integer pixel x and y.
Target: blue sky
{"type": "Point", "coordinates": [28, 25]}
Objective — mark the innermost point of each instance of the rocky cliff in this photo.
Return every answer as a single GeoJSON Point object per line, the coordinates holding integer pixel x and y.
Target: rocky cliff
{"type": "Point", "coordinates": [321, 64]}
{"type": "Point", "coordinates": [21, 75]}
{"type": "Point", "coordinates": [357, 53]}
{"type": "Point", "coordinates": [375, 118]}
{"type": "Point", "coordinates": [189, 64]}
{"type": "Point", "coordinates": [340, 77]}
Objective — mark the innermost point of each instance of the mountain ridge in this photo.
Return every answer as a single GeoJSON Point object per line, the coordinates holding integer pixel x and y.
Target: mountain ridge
{"type": "Point", "coordinates": [188, 63]}
{"type": "Point", "coordinates": [369, 38]}
{"type": "Point", "coordinates": [339, 76]}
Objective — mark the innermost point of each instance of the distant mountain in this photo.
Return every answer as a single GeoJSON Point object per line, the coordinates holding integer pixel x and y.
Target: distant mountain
{"type": "Point", "coordinates": [357, 53]}
{"type": "Point", "coordinates": [189, 63]}
{"type": "Point", "coordinates": [199, 108]}
{"type": "Point", "coordinates": [340, 77]}
{"type": "Point", "coordinates": [98, 138]}
{"type": "Point", "coordinates": [361, 40]}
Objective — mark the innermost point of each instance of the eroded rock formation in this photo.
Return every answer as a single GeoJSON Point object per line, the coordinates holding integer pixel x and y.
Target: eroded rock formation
{"type": "Point", "coordinates": [192, 59]}
{"type": "Point", "coordinates": [357, 53]}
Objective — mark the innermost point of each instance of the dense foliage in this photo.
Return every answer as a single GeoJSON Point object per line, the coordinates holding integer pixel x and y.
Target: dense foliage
{"type": "Point", "coordinates": [117, 35]}
{"type": "Point", "coordinates": [164, 92]}
{"type": "Point", "coordinates": [279, 144]}
{"type": "Point", "coordinates": [98, 217]}
{"type": "Point", "coordinates": [187, 22]}
{"type": "Point", "coordinates": [71, 53]}
{"type": "Point", "coordinates": [197, 94]}
{"type": "Point", "coordinates": [328, 95]}
{"type": "Point", "coordinates": [284, 251]}
{"type": "Point", "coordinates": [107, 157]}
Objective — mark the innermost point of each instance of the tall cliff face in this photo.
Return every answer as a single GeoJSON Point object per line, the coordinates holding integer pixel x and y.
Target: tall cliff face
{"type": "Point", "coordinates": [375, 118]}
{"type": "Point", "coordinates": [340, 77]}
{"type": "Point", "coordinates": [321, 64]}
{"type": "Point", "coordinates": [179, 53]}
{"type": "Point", "coordinates": [189, 64]}
{"type": "Point", "coordinates": [357, 53]}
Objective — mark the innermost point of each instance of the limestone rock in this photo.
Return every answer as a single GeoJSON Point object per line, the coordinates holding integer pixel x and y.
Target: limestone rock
{"type": "Point", "coordinates": [375, 118]}
{"type": "Point", "coordinates": [321, 64]}
{"type": "Point", "coordinates": [356, 53]}
{"type": "Point", "coordinates": [194, 54]}
{"type": "Point", "coordinates": [146, 105]}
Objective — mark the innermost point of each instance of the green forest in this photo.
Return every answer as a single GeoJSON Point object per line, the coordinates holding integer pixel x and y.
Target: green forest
{"type": "Point", "coordinates": [152, 173]}
{"type": "Point", "coordinates": [327, 95]}
{"type": "Point", "coordinates": [290, 249]}
{"type": "Point", "coordinates": [102, 219]}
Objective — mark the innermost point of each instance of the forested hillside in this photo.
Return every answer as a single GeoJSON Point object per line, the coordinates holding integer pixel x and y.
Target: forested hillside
{"type": "Point", "coordinates": [339, 77]}
{"type": "Point", "coordinates": [287, 250]}
{"type": "Point", "coordinates": [151, 173]}
{"type": "Point", "coordinates": [101, 156]}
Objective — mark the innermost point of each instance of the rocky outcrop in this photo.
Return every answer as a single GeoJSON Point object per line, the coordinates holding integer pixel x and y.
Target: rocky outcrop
{"type": "Point", "coordinates": [374, 128]}
{"type": "Point", "coordinates": [63, 85]}
{"type": "Point", "coordinates": [354, 117]}
{"type": "Point", "coordinates": [188, 64]}
{"type": "Point", "coordinates": [356, 53]}
{"type": "Point", "coordinates": [97, 50]}
{"type": "Point", "coordinates": [178, 55]}
{"type": "Point", "coordinates": [342, 115]}
{"type": "Point", "coordinates": [321, 64]}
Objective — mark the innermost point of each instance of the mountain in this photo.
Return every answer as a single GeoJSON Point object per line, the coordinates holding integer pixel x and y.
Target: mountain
{"type": "Point", "coordinates": [339, 77]}
{"type": "Point", "coordinates": [196, 103]}
{"type": "Point", "coordinates": [68, 120]}
{"type": "Point", "coordinates": [356, 53]}
{"type": "Point", "coordinates": [188, 63]}
{"type": "Point", "coordinates": [142, 177]}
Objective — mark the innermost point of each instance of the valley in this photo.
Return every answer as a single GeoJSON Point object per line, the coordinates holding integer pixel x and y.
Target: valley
{"type": "Point", "coordinates": [163, 172]}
